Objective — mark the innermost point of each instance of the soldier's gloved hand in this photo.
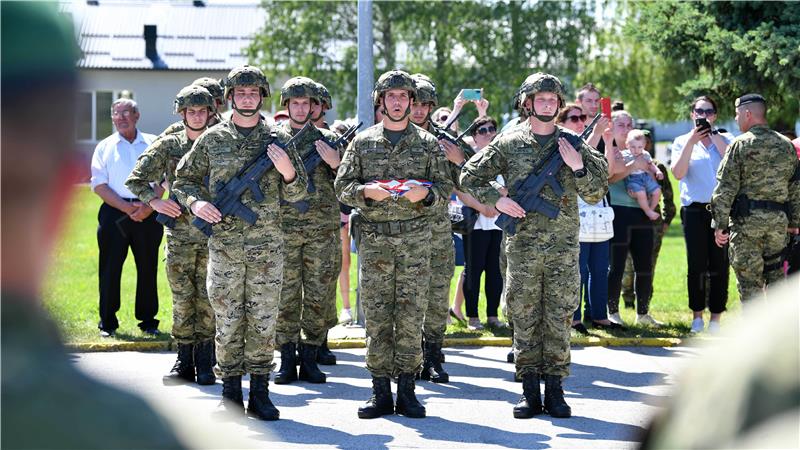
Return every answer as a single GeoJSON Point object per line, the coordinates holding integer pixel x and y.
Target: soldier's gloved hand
{"type": "Point", "coordinates": [282, 162]}
{"type": "Point", "coordinates": [721, 237]}
{"type": "Point", "coordinates": [328, 154]}
{"type": "Point", "coordinates": [571, 157]}
{"type": "Point", "coordinates": [206, 211]}
{"type": "Point", "coordinates": [416, 194]}
{"type": "Point", "coordinates": [376, 193]}
{"type": "Point", "coordinates": [167, 207]}
{"type": "Point", "coordinates": [453, 152]}
{"type": "Point", "coordinates": [507, 206]}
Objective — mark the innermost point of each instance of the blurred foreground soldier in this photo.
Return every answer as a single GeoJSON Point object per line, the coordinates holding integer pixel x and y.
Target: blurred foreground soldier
{"type": "Point", "coordinates": [124, 222]}
{"type": "Point", "coordinates": [215, 89]}
{"type": "Point", "coordinates": [394, 230]}
{"type": "Point", "coordinates": [757, 199]}
{"type": "Point", "coordinates": [743, 391]}
{"type": "Point", "coordinates": [187, 247]}
{"type": "Point", "coordinates": [542, 280]}
{"type": "Point", "coordinates": [245, 264]}
{"type": "Point", "coordinates": [47, 403]}
{"type": "Point", "coordinates": [312, 255]}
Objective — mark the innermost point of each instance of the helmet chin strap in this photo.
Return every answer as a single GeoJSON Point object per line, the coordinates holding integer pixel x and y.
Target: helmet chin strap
{"type": "Point", "coordinates": [208, 119]}
{"type": "Point", "coordinates": [245, 112]}
{"type": "Point", "coordinates": [405, 114]}
{"type": "Point", "coordinates": [301, 122]}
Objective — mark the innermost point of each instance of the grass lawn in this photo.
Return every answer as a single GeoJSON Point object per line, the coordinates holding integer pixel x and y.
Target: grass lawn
{"type": "Point", "coordinates": [71, 289]}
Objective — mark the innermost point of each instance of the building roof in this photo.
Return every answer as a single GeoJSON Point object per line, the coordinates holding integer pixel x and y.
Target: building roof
{"type": "Point", "coordinates": [189, 37]}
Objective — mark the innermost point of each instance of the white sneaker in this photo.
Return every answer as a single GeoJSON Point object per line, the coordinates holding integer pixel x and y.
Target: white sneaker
{"type": "Point", "coordinates": [616, 318]}
{"type": "Point", "coordinates": [346, 316]}
{"type": "Point", "coordinates": [698, 325]}
{"type": "Point", "coordinates": [646, 319]}
{"type": "Point", "coordinates": [713, 327]}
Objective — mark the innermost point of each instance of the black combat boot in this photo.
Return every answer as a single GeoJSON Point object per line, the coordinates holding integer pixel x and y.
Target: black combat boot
{"type": "Point", "coordinates": [287, 372]}
{"type": "Point", "coordinates": [258, 404]}
{"type": "Point", "coordinates": [510, 356]}
{"type": "Point", "coordinates": [530, 403]}
{"type": "Point", "coordinates": [431, 366]}
{"type": "Point", "coordinates": [308, 365]}
{"type": "Point", "coordinates": [554, 403]}
{"type": "Point", "coordinates": [381, 403]}
{"type": "Point", "coordinates": [232, 394]}
{"type": "Point", "coordinates": [407, 403]}
{"type": "Point", "coordinates": [324, 355]}
{"type": "Point", "coordinates": [203, 357]}
{"type": "Point", "coordinates": [183, 370]}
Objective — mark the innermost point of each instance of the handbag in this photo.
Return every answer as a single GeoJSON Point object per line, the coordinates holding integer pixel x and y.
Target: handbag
{"type": "Point", "coordinates": [462, 218]}
{"type": "Point", "coordinates": [596, 221]}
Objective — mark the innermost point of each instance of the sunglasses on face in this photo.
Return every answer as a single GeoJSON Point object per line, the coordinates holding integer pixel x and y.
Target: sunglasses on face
{"type": "Point", "coordinates": [486, 130]}
{"type": "Point", "coordinates": [706, 112]}
{"type": "Point", "coordinates": [576, 119]}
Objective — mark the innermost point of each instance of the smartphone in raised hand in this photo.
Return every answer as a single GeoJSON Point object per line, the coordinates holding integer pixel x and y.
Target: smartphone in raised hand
{"type": "Point", "coordinates": [605, 107]}
{"type": "Point", "coordinates": [471, 94]}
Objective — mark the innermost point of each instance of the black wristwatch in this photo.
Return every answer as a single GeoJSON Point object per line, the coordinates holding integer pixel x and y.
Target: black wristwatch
{"type": "Point", "coordinates": [428, 200]}
{"type": "Point", "coordinates": [580, 173]}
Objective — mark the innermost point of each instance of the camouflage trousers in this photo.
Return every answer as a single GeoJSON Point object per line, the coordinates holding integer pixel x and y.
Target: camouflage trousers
{"type": "Point", "coordinates": [394, 272]}
{"type": "Point", "coordinates": [627, 278]}
{"type": "Point", "coordinates": [311, 263]}
{"type": "Point", "coordinates": [244, 285]}
{"type": "Point", "coordinates": [443, 260]}
{"type": "Point", "coordinates": [755, 246]}
{"type": "Point", "coordinates": [542, 285]}
{"type": "Point", "coordinates": [187, 261]}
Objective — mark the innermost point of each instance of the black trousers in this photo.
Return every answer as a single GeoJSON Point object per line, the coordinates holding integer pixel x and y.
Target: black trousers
{"type": "Point", "coordinates": [634, 233]}
{"type": "Point", "coordinates": [482, 254]}
{"type": "Point", "coordinates": [704, 258]}
{"type": "Point", "coordinates": [116, 232]}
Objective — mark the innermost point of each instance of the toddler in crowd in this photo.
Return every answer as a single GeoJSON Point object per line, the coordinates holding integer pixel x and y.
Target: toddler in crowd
{"type": "Point", "coordinates": [642, 184]}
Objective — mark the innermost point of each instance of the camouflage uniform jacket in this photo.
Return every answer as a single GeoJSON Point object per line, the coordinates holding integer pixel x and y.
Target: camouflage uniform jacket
{"type": "Point", "coordinates": [760, 164]}
{"type": "Point", "coordinates": [158, 163]}
{"type": "Point", "coordinates": [513, 155]}
{"type": "Point", "coordinates": [323, 208]}
{"type": "Point", "coordinates": [219, 154]}
{"type": "Point", "coordinates": [370, 156]}
{"type": "Point", "coordinates": [667, 196]}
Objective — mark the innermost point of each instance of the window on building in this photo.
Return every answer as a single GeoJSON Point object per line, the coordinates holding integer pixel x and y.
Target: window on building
{"type": "Point", "coordinates": [93, 114]}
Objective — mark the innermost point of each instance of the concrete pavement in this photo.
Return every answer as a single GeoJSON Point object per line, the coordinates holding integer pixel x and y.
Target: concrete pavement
{"type": "Point", "coordinates": [614, 392]}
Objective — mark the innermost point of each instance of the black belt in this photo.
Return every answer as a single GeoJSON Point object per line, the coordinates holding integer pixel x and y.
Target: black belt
{"type": "Point", "coordinates": [395, 227]}
{"type": "Point", "coordinates": [767, 204]}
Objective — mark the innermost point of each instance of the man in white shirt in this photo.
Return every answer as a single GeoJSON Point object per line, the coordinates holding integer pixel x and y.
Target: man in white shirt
{"type": "Point", "coordinates": [124, 222]}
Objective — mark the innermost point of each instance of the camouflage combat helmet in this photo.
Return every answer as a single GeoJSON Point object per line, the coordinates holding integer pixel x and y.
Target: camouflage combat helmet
{"type": "Point", "coordinates": [193, 95]}
{"type": "Point", "coordinates": [324, 96]}
{"type": "Point", "coordinates": [540, 82]}
{"type": "Point", "coordinates": [394, 79]}
{"type": "Point", "coordinates": [212, 86]}
{"type": "Point", "coordinates": [426, 90]}
{"type": "Point", "coordinates": [299, 87]}
{"type": "Point", "coordinates": [246, 75]}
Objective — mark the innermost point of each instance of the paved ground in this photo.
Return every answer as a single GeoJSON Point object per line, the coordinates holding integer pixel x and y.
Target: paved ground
{"type": "Point", "coordinates": [613, 393]}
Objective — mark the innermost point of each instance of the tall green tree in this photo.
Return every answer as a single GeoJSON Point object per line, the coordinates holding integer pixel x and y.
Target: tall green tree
{"type": "Point", "coordinates": [727, 49]}
{"type": "Point", "coordinates": [493, 45]}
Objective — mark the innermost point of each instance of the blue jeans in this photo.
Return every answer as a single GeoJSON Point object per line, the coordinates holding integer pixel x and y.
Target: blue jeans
{"type": "Point", "coordinates": [593, 262]}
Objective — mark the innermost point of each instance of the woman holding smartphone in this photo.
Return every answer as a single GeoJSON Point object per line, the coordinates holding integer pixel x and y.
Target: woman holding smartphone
{"type": "Point", "coordinates": [696, 156]}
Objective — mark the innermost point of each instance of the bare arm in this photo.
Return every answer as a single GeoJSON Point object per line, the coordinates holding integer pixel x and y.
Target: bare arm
{"type": "Point", "coordinates": [680, 166]}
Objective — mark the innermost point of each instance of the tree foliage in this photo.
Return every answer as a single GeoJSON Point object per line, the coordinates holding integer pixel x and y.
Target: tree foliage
{"type": "Point", "coordinates": [493, 45]}
{"type": "Point", "coordinates": [727, 49]}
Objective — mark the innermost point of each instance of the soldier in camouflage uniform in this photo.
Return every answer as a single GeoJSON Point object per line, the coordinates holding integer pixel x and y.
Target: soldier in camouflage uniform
{"type": "Point", "coordinates": [542, 279]}
{"type": "Point", "coordinates": [312, 255]}
{"type": "Point", "coordinates": [186, 248]}
{"type": "Point", "coordinates": [395, 235]}
{"type": "Point", "coordinates": [245, 265]}
{"type": "Point", "coordinates": [325, 356]}
{"type": "Point", "coordinates": [757, 198]}
{"type": "Point", "coordinates": [215, 89]}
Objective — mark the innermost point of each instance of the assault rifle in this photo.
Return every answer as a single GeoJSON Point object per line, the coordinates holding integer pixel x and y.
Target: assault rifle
{"type": "Point", "coordinates": [442, 133]}
{"type": "Point", "coordinates": [529, 190]}
{"type": "Point", "coordinates": [312, 160]}
{"type": "Point", "coordinates": [166, 220]}
{"type": "Point", "coordinates": [227, 197]}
